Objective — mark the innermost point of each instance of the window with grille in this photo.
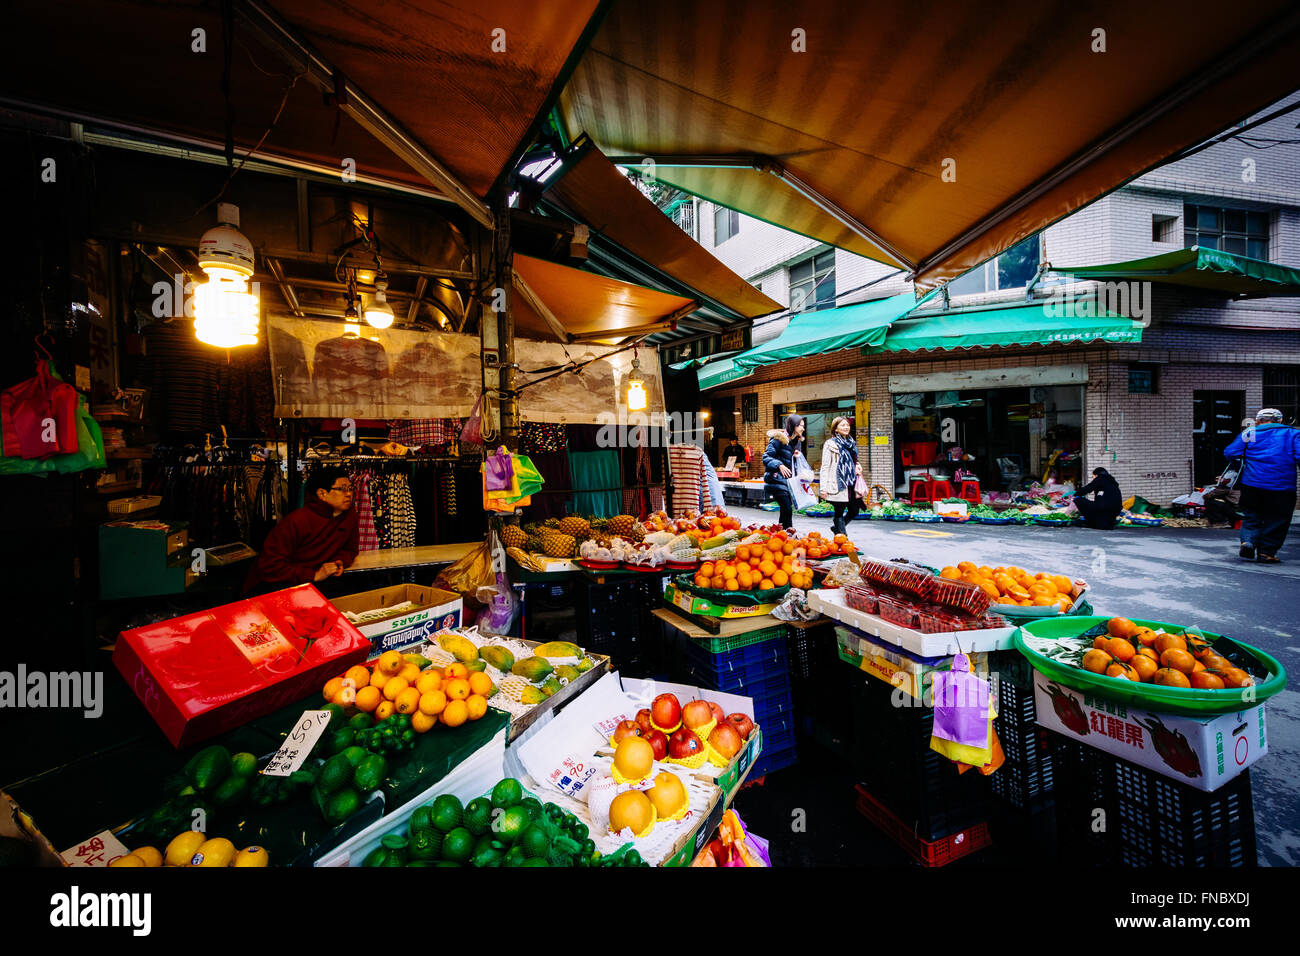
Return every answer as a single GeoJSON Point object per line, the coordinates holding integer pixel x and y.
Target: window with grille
{"type": "Point", "coordinates": [1238, 231]}
{"type": "Point", "coordinates": [1282, 391]}
{"type": "Point", "coordinates": [812, 283]}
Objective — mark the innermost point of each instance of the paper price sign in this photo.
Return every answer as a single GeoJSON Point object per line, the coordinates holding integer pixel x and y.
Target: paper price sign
{"type": "Point", "coordinates": [571, 776]}
{"type": "Point", "coordinates": [100, 850]}
{"type": "Point", "coordinates": [606, 727]}
{"type": "Point", "coordinates": [297, 746]}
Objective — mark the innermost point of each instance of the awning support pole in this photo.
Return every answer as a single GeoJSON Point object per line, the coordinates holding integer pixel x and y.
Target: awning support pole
{"type": "Point", "coordinates": [508, 398]}
{"type": "Point", "coordinates": [272, 30]}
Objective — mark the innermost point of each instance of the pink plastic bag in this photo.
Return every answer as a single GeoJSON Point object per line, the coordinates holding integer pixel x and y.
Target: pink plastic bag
{"type": "Point", "coordinates": [961, 705]}
{"type": "Point", "coordinates": [472, 433]}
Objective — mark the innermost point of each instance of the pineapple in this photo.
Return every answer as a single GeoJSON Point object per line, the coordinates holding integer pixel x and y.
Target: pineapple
{"type": "Point", "coordinates": [575, 527]}
{"type": "Point", "coordinates": [621, 525]}
{"type": "Point", "coordinates": [600, 525]}
{"type": "Point", "coordinates": [638, 532]}
{"type": "Point", "coordinates": [559, 545]}
{"type": "Point", "coordinates": [534, 545]}
{"type": "Point", "coordinates": [551, 523]}
{"type": "Point", "coordinates": [512, 536]}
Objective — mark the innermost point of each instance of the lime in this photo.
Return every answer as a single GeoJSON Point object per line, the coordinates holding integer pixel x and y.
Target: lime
{"type": "Point", "coordinates": [422, 818]}
{"type": "Point", "coordinates": [342, 805]}
{"type": "Point", "coordinates": [534, 841]}
{"type": "Point", "coordinates": [514, 857]}
{"type": "Point", "coordinates": [478, 816]}
{"type": "Point", "coordinates": [376, 857]}
{"type": "Point", "coordinates": [532, 805]}
{"type": "Point", "coordinates": [243, 765]}
{"type": "Point", "coordinates": [340, 740]}
{"type": "Point", "coordinates": [458, 845]}
{"type": "Point", "coordinates": [447, 813]}
{"type": "Point", "coordinates": [336, 714]}
{"type": "Point", "coordinates": [371, 773]}
{"type": "Point", "coordinates": [507, 793]}
{"type": "Point", "coordinates": [535, 861]}
{"type": "Point", "coordinates": [233, 790]}
{"type": "Point", "coordinates": [361, 722]}
{"type": "Point", "coordinates": [510, 823]}
{"type": "Point", "coordinates": [336, 774]}
{"type": "Point", "coordinates": [355, 755]}
{"type": "Point", "coordinates": [426, 844]}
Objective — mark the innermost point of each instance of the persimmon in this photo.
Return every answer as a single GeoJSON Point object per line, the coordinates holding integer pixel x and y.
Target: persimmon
{"type": "Point", "coordinates": [1167, 642]}
{"type": "Point", "coordinates": [1120, 669]}
{"type": "Point", "coordinates": [1145, 667]}
{"type": "Point", "coordinates": [1121, 627]}
{"type": "Point", "coordinates": [1168, 677]}
{"type": "Point", "coordinates": [1179, 660]}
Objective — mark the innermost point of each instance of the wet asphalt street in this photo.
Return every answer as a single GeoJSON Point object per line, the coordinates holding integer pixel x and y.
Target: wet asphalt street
{"type": "Point", "coordinates": [1182, 576]}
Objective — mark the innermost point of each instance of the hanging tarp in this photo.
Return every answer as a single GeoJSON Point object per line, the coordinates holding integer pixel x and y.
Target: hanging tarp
{"type": "Point", "coordinates": [1198, 268]}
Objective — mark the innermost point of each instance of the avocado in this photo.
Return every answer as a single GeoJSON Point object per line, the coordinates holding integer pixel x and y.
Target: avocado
{"type": "Point", "coordinates": [335, 775]}
{"type": "Point", "coordinates": [371, 773]}
{"type": "Point", "coordinates": [532, 669]}
{"type": "Point", "coordinates": [497, 656]}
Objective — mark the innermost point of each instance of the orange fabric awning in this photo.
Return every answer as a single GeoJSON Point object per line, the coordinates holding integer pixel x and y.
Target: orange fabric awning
{"type": "Point", "coordinates": [944, 131]}
{"type": "Point", "coordinates": [598, 194]}
{"type": "Point", "coordinates": [587, 305]}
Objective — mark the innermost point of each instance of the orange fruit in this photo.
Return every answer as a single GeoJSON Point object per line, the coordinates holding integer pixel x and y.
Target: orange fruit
{"type": "Point", "coordinates": [407, 701]}
{"type": "Point", "coordinates": [1168, 677]}
{"type": "Point", "coordinates": [1097, 660]}
{"type": "Point", "coordinates": [457, 688]}
{"type": "Point", "coordinates": [780, 578]}
{"type": "Point", "coordinates": [390, 662]}
{"type": "Point", "coordinates": [1198, 667]}
{"type": "Point", "coordinates": [950, 573]}
{"type": "Point", "coordinates": [1204, 680]}
{"type": "Point", "coordinates": [765, 584]}
{"type": "Point", "coordinates": [729, 573]}
{"type": "Point", "coordinates": [378, 679]}
{"type": "Point", "coordinates": [1145, 667]}
{"type": "Point", "coordinates": [395, 686]}
{"type": "Point", "coordinates": [742, 552]}
{"type": "Point", "coordinates": [475, 706]}
{"type": "Point", "coordinates": [1101, 642]}
{"type": "Point", "coordinates": [422, 722]}
{"type": "Point", "coordinates": [360, 676]}
{"type": "Point", "coordinates": [1065, 603]}
{"type": "Point", "coordinates": [368, 698]}
{"type": "Point", "coordinates": [787, 548]}
{"type": "Point", "coordinates": [455, 713]}
{"type": "Point", "coordinates": [1121, 627]}
{"type": "Point", "coordinates": [432, 703]}
{"type": "Point", "coordinates": [1120, 649]}
{"type": "Point", "coordinates": [1179, 660]}
{"type": "Point", "coordinates": [966, 565]}
{"type": "Point", "coordinates": [701, 581]}
{"type": "Point", "coordinates": [1167, 641]}
{"type": "Point", "coordinates": [479, 683]}
{"type": "Point", "coordinates": [1146, 637]}
{"type": "Point", "coordinates": [455, 670]}
{"type": "Point", "coordinates": [1150, 653]}
{"type": "Point", "coordinates": [706, 569]}
{"type": "Point", "coordinates": [385, 710]}
{"type": "Point", "coordinates": [332, 687]}
{"type": "Point", "coordinates": [411, 672]}
{"type": "Point", "coordinates": [430, 680]}
{"type": "Point", "coordinates": [768, 568]}
{"type": "Point", "coordinates": [1235, 677]}
{"type": "Point", "coordinates": [1120, 669]}
{"type": "Point", "coordinates": [1063, 584]}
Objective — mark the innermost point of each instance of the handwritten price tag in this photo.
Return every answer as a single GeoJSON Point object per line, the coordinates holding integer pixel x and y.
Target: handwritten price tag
{"type": "Point", "coordinates": [606, 727]}
{"type": "Point", "coordinates": [297, 746]}
{"type": "Point", "coordinates": [571, 776]}
{"type": "Point", "coordinates": [99, 850]}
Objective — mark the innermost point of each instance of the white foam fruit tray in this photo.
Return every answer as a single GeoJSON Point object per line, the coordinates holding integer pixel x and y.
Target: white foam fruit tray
{"type": "Point", "coordinates": [941, 644]}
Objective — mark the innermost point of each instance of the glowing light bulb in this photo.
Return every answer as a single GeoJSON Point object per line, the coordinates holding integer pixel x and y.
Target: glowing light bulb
{"type": "Point", "coordinates": [225, 311]}
{"type": "Point", "coordinates": [379, 314]}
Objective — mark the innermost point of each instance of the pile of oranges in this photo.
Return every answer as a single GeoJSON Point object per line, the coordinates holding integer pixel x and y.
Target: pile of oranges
{"type": "Point", "coordinates": [1129, 651]}
{"type": "Point", "coordinates": [1013, 585]}
{"type": "Point", "coordinates": [817, 547]}
{"type": "Point", "coordinates": [757, 567]}
{"type": "Point", "coordinates": [449, 696]}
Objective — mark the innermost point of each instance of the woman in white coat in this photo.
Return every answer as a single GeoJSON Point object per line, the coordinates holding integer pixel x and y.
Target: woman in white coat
{"type": "Point", "coordinates": [839, 474]}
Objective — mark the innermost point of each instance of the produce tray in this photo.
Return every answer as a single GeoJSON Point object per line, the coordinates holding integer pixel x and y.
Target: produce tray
{"type": "Point", "coordinates": [723, 645]}
{"type": "Point", "coordinates": [599, 565]}
{"type": "Point", "coordinates": [1051, 522]}
{"type": "Point", "coordinates": [735, 598]}
{"type": "Point", "coordinates": [1168, 700]}
{"type": "Point", "coordinates": [943, 644]}
{"type": "Point", "coordinates": [1026, 614]}
{"type": "Point", "coordinates": [982, 520]}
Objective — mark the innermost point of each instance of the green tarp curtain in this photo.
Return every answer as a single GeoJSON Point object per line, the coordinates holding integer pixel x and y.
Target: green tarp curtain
{"type": "Point", "coordinates": [596, 470]}
{"type": "Point", "coordinates": [1199, 267]}
{"type": "Point", "coordinates": [1038, 323]}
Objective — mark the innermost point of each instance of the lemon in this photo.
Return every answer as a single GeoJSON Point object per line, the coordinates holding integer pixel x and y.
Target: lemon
{"type": "Point", "coordinates": [129, 860]}
{"type": "Point", "coordinates": [216, 852]}
{"type": "Point", "coordinates": [183, 847]}
{"type": "Point", "coordinates": [150, 855]}
{"type": "Point", "coordinates": [252, 856]}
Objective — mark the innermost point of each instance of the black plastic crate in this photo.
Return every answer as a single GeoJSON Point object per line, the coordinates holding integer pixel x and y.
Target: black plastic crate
{"type": "Point", "coordinates": [1012, 667]}
{"type": "Point", "coordinates": [1114, 813]}
{"type": "Point", "coordinates": [1026, 779]}
{"type": "Point", "coordinates": [771, 761]}
{"type": "Point", "coordinates": [811, 650]}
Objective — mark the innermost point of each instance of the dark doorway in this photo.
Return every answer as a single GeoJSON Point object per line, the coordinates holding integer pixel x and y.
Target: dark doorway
{"type": "Point", "coordinates": [1216, 421]}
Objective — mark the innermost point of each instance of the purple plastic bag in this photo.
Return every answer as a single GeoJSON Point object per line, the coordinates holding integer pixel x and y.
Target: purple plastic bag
{"type": "Point", "coordinates": [500, 471]}
{"type": "Point", "coordinates": [961, 705]}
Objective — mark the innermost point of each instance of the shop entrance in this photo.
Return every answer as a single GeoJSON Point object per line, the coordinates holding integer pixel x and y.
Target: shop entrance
{"type": "Point", "coordinates": [1216, 419]}
{"type": "Point", "coordinates": [817, 418]}
{"type": "Point", "coordinates": [1006, 438]}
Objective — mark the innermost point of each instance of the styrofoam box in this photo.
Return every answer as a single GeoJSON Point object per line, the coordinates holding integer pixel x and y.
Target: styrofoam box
{"type": "Point", "coordinates": [943, 644]}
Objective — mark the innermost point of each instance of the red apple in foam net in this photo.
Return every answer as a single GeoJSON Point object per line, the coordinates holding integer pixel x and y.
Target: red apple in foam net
{"type": "Point", "coordinates": [666, 711]}
{"type": "Point", "coordinates": [643, 718]}
{"type": "Point", "coordinates": [725, 740]}
{"type": "Point", "coordinates": [626, 728]}
{"type": "Point", "coordinates": [697, 713]}
{"type": "Point", "coordinates": [658, 742]}
{"type": "Point", "coordinates": [718, 715]}
{"type": "Point", "coordinates": [684, 743]}
{"type": "Point", "coordinates": [743, 725]}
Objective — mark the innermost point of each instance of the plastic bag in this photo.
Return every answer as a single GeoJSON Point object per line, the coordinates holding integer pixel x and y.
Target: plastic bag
{"type": "Point", "coordinates": [802, 469]}
{"type": "Point", "coordinates": [500, 471]}
{"type": "Point", "coordinates": [40, 416]}
{"type": "Point", "coordinates": [799, 492]}
{"type": "Point", "coordinates": [470, 573]}
{"type": "Point", "coordinates": [89, 453]}
{"type": "Point", "coordinates": [501, 607]}
{"type": "Point", "coordinates": [794, 607]}
{"type": "Point", "coordinates": [472, 433]}
{"type": "Point", "coordinates": [963, 716]}
{"type": "Point", "coordinates": [842, 572]}
{"type": "Point", "coordinates": [860, 488]}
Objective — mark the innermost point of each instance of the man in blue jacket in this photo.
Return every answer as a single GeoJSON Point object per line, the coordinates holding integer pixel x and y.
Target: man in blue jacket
{"type": "Point", "coordinates": [1270, 452]}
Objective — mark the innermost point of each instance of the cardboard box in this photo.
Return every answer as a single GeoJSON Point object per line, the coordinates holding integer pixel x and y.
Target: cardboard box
{"type": "Point", "coordinates": [1204, 753]}
{"type": "Point", "coordinates": [695, 604]}
{"type": "Point", "coordinates": [208, 672]}
{"type": "Point", "coordinates": [895, 666]}
{"type": "Point", "coordinates": [436, 611]}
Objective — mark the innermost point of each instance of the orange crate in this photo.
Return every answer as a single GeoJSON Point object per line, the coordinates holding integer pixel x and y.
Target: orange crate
{"type": "Point", "coordinates": [939, 852]}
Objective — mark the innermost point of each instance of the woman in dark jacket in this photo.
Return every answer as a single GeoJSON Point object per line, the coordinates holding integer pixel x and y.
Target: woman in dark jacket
{"type": "Point", "coordinates": [1102, 512]}
{"type": "Point", "coordinates": [779, 464]}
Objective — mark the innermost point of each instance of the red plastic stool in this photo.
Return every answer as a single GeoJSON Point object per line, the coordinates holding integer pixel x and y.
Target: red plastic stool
{"type": "Point", "coordinates": [921, 489]}
{"type": "Point", "coordinates": [970, 490]}
{"type": "Point", "coordinates": [941, 488]}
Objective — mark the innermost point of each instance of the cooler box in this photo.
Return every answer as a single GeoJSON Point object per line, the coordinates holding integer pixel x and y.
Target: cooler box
{"type": "Point", "coordinates": [205, 673]}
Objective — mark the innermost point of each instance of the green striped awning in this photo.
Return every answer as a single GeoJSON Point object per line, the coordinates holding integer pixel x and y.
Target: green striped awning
{"type": "Point", "coordinates": [720, 372]}
{"type": "Point", "coordinates": [862, 324]}
{"type": "Point", "coordinates": [1036, 323]}
{"type": "Point", "coordinates": [1200, 268]}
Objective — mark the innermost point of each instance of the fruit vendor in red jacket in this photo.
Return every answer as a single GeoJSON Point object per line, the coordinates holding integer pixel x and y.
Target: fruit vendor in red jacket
{"type": "Point", "coordinates": [315, 542]}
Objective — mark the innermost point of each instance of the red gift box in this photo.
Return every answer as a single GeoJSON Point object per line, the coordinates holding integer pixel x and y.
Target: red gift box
{"type": "Point", "coordinates": [205, 673]}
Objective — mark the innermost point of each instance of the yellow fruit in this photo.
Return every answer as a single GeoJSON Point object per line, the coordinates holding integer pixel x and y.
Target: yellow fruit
{"type": "Point", "coordinates": [149, 854]}
{"type": "Point", "coordinates": [634, 757]}
{"type": "Point", "coordinates": [129, 860]}
{"type": "Point", "coordinates": [455, 713]}
{"type": "Point", "coordinates": [332, 687]}
{"type": "Point", "coordinates": [422, 723]}
{"type": "Point", "coordinates": [633, 810]}
{"type": "Point", "coordinates": [360, 676]}
{"type": "Point", "coordinates": [378, 679]}
{"type": "Point", "coordinates": [252, 856]}
{"type": "Point", "coordinates": [391, 663]}
{"type": "Point", "coordinates": [368, 698]}
{"type": "Point", "coordinates": [432, 703]}
{"type": "Point", "coordinates": [457, 688]}
{"type": "Point", "coordinates": [385, 710]}
{"type": "Point", "coordinates": [428, 681]}
{"type": "Point", "coordinates": [475, 706]}
{"type": "Point", "coordinates": [183, 847]}
{"type": "Point", "coordinates": [455, 670]}
{"type": "Point", "coordinates": [395, 686]}
{"type": "Point", "coordinates": [407, 701]}
{"type": "Point", "coordinates": [480, 683]}
{"type": "Point", "coordinates": [667, 794]}
{"type": "Point", "coordinates": [411, 672]}
{"type": "Point", "coordinates": [217, 852]}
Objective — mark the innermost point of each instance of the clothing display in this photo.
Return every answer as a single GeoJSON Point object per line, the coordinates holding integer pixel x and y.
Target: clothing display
{"type": "Point", "coordinates": [691, 491]}
{"type": "Point", "coordinates": [537, 438]}
{"type": "Point", "coordinates": [424, 432]}
{"type": "Point", "coordinates": [223, 501]}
